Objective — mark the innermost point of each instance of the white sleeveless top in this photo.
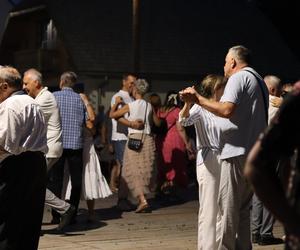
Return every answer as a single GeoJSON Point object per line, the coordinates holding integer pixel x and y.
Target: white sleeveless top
{"type": "Point", "coordinates": [137, 111]}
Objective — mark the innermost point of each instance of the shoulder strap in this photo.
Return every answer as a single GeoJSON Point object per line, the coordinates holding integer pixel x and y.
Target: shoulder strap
{"type": "Point", "coordinates": [144, 120]}
{"type": "Point", "coordinates": [146, 111]}
{"type": "Point", "coordinates": [260, 82]}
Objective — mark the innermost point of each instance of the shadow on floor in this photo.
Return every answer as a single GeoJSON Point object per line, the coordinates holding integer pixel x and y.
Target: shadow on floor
{"type": "Point", "coordinates": [178, 197]}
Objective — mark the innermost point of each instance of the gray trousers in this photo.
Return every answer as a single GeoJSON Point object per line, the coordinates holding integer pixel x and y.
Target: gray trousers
{"type": "Point", "coordinates": [262, 220]}
{"type": "Point", "coordinates": [51, 199]}
{"type": "Point", "coordinates": [234, 200]}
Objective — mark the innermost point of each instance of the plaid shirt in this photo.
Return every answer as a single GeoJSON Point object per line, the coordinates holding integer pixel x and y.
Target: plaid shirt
{"type": "Point", "coordinates": [73, 115]}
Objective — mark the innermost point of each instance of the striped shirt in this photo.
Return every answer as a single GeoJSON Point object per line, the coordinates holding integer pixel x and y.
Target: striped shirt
{"type": "Point", "coordinates": [207, 131]}
{"type": "Point", "coordinates": [73, 115]}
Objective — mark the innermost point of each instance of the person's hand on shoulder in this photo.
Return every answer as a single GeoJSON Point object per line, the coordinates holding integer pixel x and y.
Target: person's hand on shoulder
{"type": "Point", "coordinates": [84, 98]}
{"type": "Point", "coordinates": [276, 101]}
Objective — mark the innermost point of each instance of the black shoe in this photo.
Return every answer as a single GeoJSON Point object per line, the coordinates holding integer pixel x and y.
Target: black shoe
{"type": "Point", "coordinates": [255, 238]}
{"type": "Point", "coordinates": [269, 240]}
{"type": "Point", "coordinates": [66, 218]}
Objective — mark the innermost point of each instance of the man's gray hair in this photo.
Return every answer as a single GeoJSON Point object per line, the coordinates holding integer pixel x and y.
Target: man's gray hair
{"type": "Point", "coordinates": [11, 76]}
{"type": "Point", "coordinates": [68, 79]}
{"type": "Point", "coordinates": [240, 53]}
{"type": "Point", "coordinates": [142, 86]}
{"type": "Point", "coordinates": [34, 74]}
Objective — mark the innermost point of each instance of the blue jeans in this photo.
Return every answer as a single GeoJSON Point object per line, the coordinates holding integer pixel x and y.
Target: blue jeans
{"type": "Point", "coordinates": [119, 147]}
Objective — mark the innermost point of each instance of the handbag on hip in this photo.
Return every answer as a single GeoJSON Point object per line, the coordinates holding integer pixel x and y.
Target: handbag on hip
{"type": "Point", "coordinates": [134, 143]}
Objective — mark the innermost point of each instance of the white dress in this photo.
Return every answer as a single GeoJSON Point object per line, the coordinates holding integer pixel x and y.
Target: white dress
{"type": "Point", "coordinates": [94, 184]}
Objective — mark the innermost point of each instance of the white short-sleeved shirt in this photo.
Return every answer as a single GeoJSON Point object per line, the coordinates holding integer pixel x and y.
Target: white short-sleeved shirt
{"type": "Point", "coordinates": [272, 110]}
{"type": "Point", "coordinates": [240, 132]}
{"type": "Point", "coordinates": [137, 111]}
{"type": "Point", "coordinates": [115, 136]}
{"type": "Point", "coordinates": [49, 107]}
{"type": "Point", "coordinates": [22, 126]}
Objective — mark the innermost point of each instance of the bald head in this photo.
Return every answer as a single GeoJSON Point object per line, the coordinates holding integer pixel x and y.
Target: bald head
{"type": "Point", "coordinates": [274, 85]}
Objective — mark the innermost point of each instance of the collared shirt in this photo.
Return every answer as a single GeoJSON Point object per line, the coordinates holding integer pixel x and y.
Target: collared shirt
{"type": "Point", "coordinates": [115, 136]}
{"type": "Point", "coordinates": [22, 126]}
{"type": "Point", "coordinates": [207, 131]}
{"type": "Point", "coordinates": [73, 115]}
{"type": "Point", "coordinates": [48, 105]}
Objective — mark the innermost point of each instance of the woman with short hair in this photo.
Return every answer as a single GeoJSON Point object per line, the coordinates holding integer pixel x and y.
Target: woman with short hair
{"type": "Point", "coordinates": [138, 166]}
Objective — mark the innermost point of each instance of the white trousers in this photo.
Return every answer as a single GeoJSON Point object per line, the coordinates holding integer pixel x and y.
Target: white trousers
{"type": "Point", "coordinates": [235, 200]}
{"type": "Point", "coordinates": [208, 176]}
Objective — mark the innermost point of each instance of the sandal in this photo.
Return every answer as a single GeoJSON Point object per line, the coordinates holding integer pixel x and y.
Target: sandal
{"type": "Point", "coordinates": [142, 207]}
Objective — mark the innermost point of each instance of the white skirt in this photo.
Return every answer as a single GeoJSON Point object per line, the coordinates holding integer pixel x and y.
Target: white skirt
{"type": "Point", "coordinates": [94, 184]}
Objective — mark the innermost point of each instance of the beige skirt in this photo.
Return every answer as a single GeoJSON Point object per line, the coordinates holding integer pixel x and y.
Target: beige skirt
{"type": "Point", "coordinates": [138, 169]}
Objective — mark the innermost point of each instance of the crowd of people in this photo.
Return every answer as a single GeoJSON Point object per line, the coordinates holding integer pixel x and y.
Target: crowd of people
{"type": "Point", "coordinates": [249, 103]}
{"type": "Point", "coordinates": [245, 145]}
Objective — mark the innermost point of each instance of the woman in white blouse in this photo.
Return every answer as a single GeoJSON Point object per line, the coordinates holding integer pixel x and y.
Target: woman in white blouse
{"type": "Point", "coordinates": [208, 167]}
{"type": "Point", "coordinates": [138, 166]}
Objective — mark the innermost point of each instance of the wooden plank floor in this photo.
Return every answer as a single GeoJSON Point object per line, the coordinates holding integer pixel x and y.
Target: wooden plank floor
{"type": "Point", "coordinates": [166, 228]}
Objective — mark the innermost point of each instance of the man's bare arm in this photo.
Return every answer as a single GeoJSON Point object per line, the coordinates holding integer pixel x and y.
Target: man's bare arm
{"type": "Point", "coordinates": [222, 109]}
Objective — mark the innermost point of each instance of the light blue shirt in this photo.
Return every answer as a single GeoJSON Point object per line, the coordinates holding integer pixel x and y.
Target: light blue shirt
{"type": "Point", "coordinates": [242, 129]}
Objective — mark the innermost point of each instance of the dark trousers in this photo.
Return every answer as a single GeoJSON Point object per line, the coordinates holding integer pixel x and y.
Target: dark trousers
{"type": "Point", "coordinates": [262, 220]}
{"type": "Point", "coordinates": [56, 174]}
{"type": "Point", "coordinates": [22, 196]}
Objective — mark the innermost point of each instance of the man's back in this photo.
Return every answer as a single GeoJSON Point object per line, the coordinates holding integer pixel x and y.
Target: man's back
{"type": "Point", "coordinates": [27, 130]}
{"type": "Point", "coordinates": [72, 113]}
{"type": "Point", "coordinates": [49, 107]}
{"type": "Point", "coordinates": [249, 118]}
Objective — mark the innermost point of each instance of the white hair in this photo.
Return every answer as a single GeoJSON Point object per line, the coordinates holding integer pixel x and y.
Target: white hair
{"type": "Point", "coordinates": [141, 86]}
{"type": "Point", "coordinates": [34, 75]}
{"type": "Point", "coordinates": [11, 76]}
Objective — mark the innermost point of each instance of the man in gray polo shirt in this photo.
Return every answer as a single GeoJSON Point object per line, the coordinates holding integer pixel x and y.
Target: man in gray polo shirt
{"type": "Point", "coordinates": [245, 104]}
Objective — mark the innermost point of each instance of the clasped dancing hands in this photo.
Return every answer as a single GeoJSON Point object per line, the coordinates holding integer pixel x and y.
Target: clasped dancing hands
{"type": "Point", "coordinates": [189, 95]}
